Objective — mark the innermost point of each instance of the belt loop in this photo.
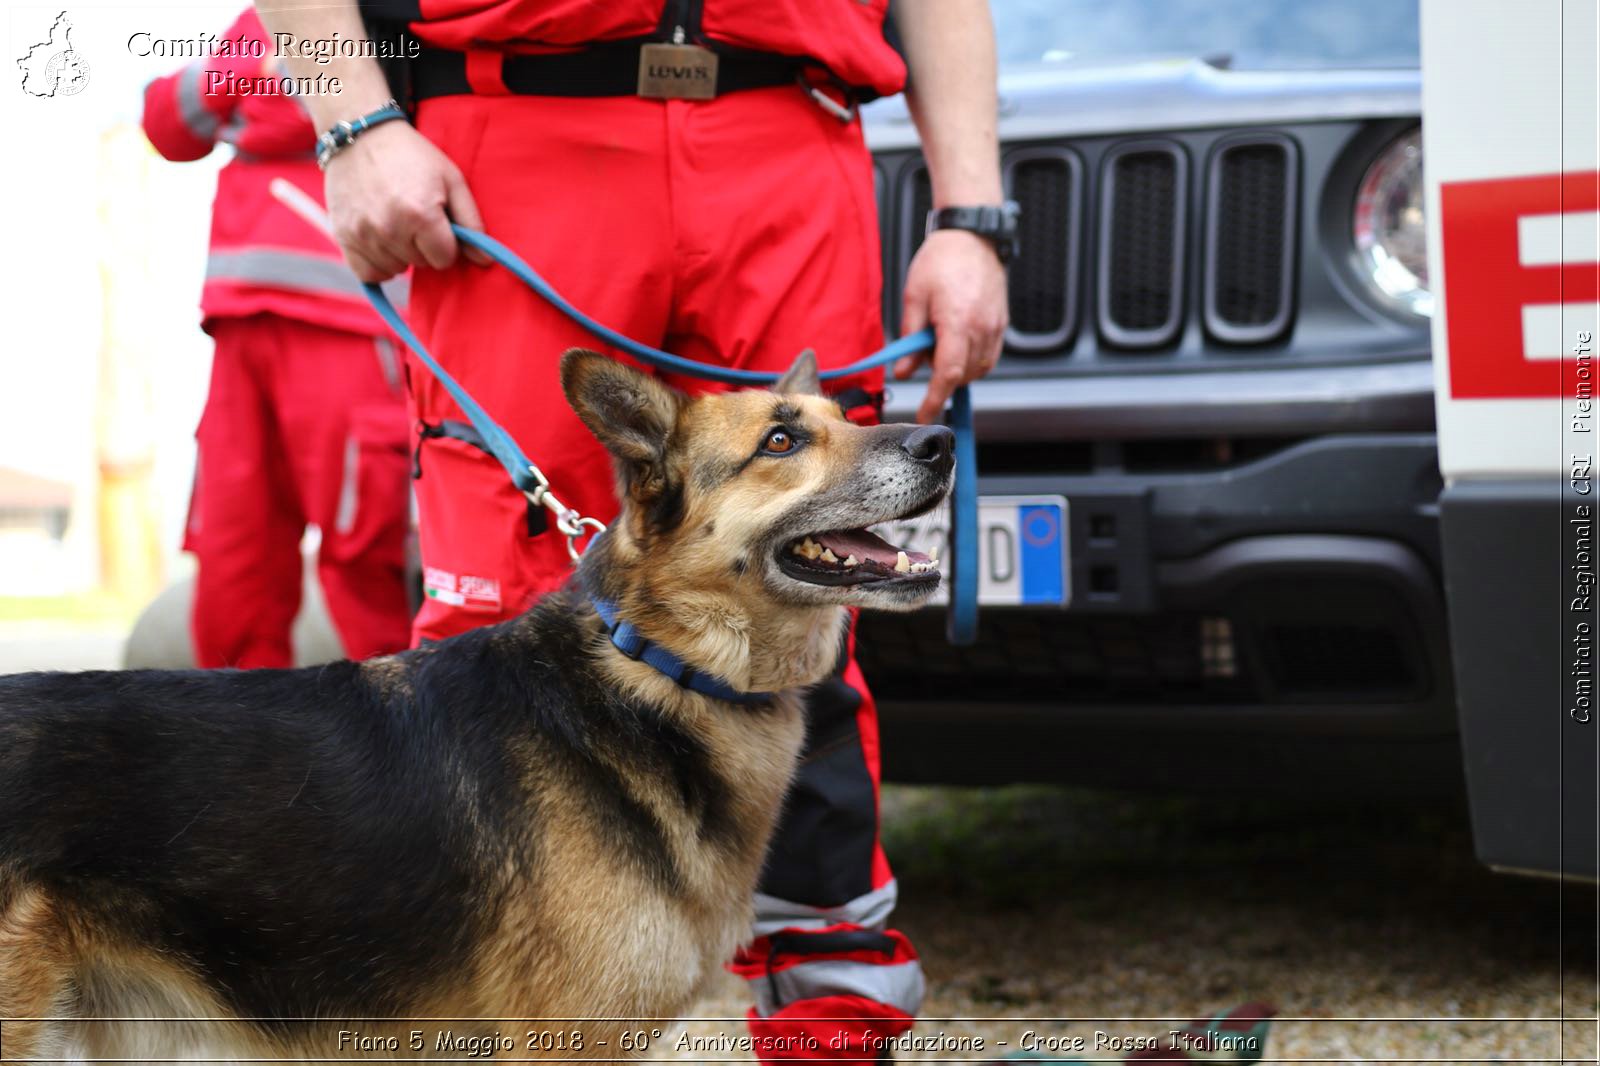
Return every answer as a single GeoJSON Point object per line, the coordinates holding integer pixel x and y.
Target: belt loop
{"type": "Point", "coordinates": [484, 72]}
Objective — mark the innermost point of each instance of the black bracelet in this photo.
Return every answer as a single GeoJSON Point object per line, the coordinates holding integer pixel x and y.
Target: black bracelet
{"type": "Point", "coordinates": [343, 134]}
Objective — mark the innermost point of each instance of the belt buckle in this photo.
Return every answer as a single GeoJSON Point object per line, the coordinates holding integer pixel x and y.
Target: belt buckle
{"type": "Point", "coordinates": [677, 72]}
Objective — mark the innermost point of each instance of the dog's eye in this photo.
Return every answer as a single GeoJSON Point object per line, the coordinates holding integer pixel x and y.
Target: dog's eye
{"type": "Point", "coordinates": [778, 442]}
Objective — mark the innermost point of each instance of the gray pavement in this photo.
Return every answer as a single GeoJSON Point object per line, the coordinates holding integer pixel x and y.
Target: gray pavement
{"type": "Point", "coordinates": [59, 648]}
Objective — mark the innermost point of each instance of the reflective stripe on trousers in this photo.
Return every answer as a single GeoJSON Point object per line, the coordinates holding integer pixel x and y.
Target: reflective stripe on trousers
{"type": "Point", "coordinates": [870, 911]}
{"type": "Point", "coordinates": [280, 268]}
{"type": "Point", "coordinates": [803, 952]}
{"type": "Point", "coordinates": [900, 985]}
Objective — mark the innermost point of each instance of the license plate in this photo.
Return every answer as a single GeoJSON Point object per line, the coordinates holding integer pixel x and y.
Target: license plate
{"type": "Point", "coordinates": [1022, 548]}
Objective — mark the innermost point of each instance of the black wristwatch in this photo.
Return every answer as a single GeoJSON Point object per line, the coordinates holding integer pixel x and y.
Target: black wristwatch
{"type": "Point", "coordinates": [998, 223]}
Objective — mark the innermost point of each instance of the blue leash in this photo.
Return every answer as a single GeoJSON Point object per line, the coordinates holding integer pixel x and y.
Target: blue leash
{"type": "Point", "coordinates": [962, 622]}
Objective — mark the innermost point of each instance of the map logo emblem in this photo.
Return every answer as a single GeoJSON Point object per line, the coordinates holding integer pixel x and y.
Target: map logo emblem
{"type": "Point", "coordinates": [53, 67]}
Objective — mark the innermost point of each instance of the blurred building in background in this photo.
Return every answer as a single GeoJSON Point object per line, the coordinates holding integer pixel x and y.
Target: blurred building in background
{"type": "Point", "coordinates": [103, 366]}
{"type": "Point", "coordinates": [34, 514]}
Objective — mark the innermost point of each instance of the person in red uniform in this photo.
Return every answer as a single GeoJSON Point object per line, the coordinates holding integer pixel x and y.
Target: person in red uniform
{"type": "Point", "coordinates": [305, 420]}
{"type": "Point", "coordinates": [738, 229]}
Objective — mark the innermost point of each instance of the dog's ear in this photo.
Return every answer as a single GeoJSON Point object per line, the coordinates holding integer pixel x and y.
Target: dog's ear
{"type": "Point", "coordinates": [632, 413]}
{"type": "Point", "coordinates": [802, 377]}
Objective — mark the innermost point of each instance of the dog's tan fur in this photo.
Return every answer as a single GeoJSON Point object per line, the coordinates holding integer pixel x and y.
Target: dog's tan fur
{"type": "Point", "coordinates": [572, 929]}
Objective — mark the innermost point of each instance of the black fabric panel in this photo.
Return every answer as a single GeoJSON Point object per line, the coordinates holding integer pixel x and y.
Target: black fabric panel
{"type": "Point", "coordinates": [822, 852]}
{"type": "Point", "coordinates": [836, 942]}
{"type": "Point", "coordinates": [394, 10]}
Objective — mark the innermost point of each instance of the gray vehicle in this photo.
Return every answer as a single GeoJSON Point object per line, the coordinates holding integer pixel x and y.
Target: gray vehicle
{"type": "Point", "coordinates": [1211, 514]}
{"type": "Point", "coordinates": [1219, 369]}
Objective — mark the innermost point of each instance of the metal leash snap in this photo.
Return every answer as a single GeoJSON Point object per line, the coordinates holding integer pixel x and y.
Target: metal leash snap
{"type": "Point", "coordinates": [833, 107]}
{"type": "Point", "coordinates": [569, 521]}
{"type": "Point", "coordinates": [574, 529]}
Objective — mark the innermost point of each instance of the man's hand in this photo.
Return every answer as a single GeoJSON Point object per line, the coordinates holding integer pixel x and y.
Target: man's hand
{"type": "Point", "coordinates": [392, 196]}
{"type": "Point", "coordinates": [957, 285]}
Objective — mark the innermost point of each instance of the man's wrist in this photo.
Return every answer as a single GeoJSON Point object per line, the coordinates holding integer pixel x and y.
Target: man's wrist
{"type": "Point", "coordinates": [364, 90]}
{"type": "Point", "coordinates": [981, 193]}
{"type": "Point", "coordinates": [964, 184]}
{"type": "Point", "coordinates": [341, 135]}
{"type": "Point", "coordinates": [326, 117]}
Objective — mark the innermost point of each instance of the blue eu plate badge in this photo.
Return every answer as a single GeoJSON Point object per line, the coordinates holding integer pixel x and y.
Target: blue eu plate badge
{"type": "Point", "coordinates": [1022, 549]}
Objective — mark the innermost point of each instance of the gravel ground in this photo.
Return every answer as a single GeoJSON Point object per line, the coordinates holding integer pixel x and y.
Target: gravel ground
{"type": "Point", "coordinates": [1373, 930]}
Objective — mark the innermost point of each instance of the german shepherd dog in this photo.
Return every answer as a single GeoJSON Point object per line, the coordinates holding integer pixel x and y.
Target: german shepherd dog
{"type": "Point", "coordinates": [518, 822]}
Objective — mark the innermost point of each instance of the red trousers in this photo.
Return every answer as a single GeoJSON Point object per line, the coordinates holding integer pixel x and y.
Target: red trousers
{"type": "Point", "coordinates": [737, 231]}
{"type": "Point", "coordinates": [303, 424]}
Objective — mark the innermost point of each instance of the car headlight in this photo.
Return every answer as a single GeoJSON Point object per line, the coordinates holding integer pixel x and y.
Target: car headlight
{"type": "Point", "coordinates": [1389, 225]}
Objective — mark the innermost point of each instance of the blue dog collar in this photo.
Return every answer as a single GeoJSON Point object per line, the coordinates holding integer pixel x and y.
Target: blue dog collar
{"type": "Point", "coordinates": [634, 645]}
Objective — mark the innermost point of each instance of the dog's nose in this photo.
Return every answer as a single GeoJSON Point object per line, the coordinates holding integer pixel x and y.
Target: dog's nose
{"type": "Point", "coordinates": [930, 445]}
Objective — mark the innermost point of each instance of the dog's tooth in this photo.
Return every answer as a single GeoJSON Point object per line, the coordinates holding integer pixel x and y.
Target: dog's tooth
{"type": "Point", "coordinates": [828, 556]}
{"type": "Point", "coordinates": [933, 555]}
{"type": "Point", "coordinates": [851, 560]}
{"type": "Point", "coordinates": [902, 564]}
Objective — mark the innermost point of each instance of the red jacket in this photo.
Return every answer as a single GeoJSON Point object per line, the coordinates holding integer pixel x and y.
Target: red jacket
{"type": "Point", "coordinates": [846, 36]}
{"type": "Point", "coordinates": [264, 257]}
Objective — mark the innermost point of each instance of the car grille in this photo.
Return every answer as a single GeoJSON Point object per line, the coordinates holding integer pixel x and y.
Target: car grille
{"type": "Point", "coordinates": [1028, 655]}
{"type": "Point", "coordinates": [1044, 284]}
{"type": "Point", "coordinates": [1250, 240]}
{"type": "Point", "coordinates": [1141, 245]}
{"type": "Point", "coordinates": [1031, 655]}
{"type": "Point", "coordinates": [1115, 237]}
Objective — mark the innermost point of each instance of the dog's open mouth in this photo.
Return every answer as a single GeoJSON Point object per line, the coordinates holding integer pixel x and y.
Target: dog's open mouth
{"type": "Point", "coordinates": [854, 557]}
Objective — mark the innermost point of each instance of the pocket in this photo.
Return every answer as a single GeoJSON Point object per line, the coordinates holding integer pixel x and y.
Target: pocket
{"type": "Point", "coordinates": [473, 536]}
{"type": "Point", "coordinates": [374, 485]}
{"type": "Point", "coordinates": [449, 430]}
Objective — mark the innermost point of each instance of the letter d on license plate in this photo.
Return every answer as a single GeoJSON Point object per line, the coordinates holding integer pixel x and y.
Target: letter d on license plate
{"type": "Point", "coordinates": [1022, 549]}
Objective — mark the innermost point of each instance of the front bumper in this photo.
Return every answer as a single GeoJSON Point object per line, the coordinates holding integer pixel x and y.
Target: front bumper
{"type": "Point", "coordinates": [1291, 601]}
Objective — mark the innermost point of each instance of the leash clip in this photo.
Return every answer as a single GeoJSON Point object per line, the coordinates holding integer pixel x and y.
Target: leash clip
{"type": "Point", "coordinates": [842, 112]}
{"type": "Point", "coordinates": [568, 521]}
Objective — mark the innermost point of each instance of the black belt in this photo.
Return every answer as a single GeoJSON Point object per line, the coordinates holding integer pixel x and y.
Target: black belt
{"type": "Point", "coordinates": [606, 69]}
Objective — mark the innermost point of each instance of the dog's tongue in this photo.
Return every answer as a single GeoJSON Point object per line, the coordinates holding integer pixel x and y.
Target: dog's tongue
{"type": "Point", "coordinates": [866, 547]}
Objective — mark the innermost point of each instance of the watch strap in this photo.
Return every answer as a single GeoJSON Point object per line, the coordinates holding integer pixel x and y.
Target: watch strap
{"type": "Point", "coordinates": [997, 222]}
